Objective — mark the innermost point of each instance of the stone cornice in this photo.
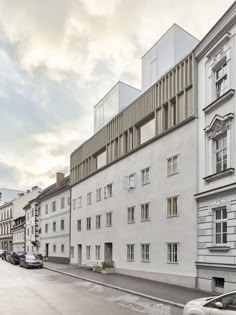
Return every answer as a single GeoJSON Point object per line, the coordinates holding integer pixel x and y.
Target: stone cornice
{"type": "Point", "coordinates": [216, 32]}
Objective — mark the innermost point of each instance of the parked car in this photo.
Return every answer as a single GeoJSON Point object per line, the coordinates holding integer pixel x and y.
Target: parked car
{"type": "Point", "coordinates": [224, 304]}
{"type": "Point", "coordinates": [1, 252]}
{"type": "Point", "coordinates": [30, 261]}
{"type": "Point", "coordinates": [4, 254]}
{"type": "Point", "coordinates": [8, 255]}
{"type": "Point", "coordinates": [15, 257]}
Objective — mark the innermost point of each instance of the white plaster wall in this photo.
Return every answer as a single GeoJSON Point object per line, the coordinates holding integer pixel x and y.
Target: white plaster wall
{"type": "Point", "coordinates": [160, 229]}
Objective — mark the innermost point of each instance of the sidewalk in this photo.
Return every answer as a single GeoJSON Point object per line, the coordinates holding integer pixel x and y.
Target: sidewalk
{"type": "Point", "coordinates": [162, 292]}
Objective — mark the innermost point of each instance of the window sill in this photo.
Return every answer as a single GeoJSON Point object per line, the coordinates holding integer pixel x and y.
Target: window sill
{"type": "Point", "coordinates": [219, 101]}
{"type": "Point", "coordinates": [168, 175]}
{"type": "Point", "coordinates": [172, 216]}
{"type": "Point", "coordinates": [145, 261]}
{"type": "Point", "coordinates": [130, 260]}
{"type": "Point", "coordinates": [146, 183]}
{"type": "Point", "coordinates": [145, 220]}
{"type": "Point", "coordinates": [172, 263]}
{"type": "Point", "coordinates": [131, 222]}
{"type": "Point", "coordinates": [108, 226]}
{"type": "Point", "coordinates": [219, 248]}
{"type": "Point", "coordinates": [227, 172]}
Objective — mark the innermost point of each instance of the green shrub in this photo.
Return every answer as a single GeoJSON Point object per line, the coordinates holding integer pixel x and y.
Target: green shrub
{"type": "Point", "coordinates": [106, 264]}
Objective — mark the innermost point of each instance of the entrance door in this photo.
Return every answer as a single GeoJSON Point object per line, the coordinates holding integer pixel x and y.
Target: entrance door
{"type": "Point", "coordinates": [79, 255]}
{"type": "Point", "coordinates": [108, 252]}
{"type": "Point", "coordinates": [46, 250]}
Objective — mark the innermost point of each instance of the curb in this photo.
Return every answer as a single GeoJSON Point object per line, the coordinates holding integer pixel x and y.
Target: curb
{"type": "Point", "coordinates": [119, 288]}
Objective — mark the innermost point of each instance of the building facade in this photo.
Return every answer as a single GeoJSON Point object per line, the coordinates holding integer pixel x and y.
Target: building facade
{"type": "Point", "coordinates": [216, 194]}
{"type": "Point", "coordinates": [18, 234]}
{"type": "Point", "coordinates": [32, 229]}
{"type": "Point", "coordinates": [6, 217]}
{"type": "Point", "coordinates": [54, 204]}
{"type": "Point", "coordinates": [130, 191]}
{"type": "Point", "coordinates": [7, 195]}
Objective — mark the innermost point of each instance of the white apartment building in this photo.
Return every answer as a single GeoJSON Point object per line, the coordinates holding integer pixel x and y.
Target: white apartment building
{"type": "Point", "coordinates": [133, 184]}
{"type": "Point", "coordinates": [18, 234]}
{"type": "Point", "coordinates": [6, 217]}
{"type": "Point", "coordinates": [54, 203]}
{"type": "Point", "coordinates": [216, 194]}
{"type": "Point", "coordinates": [7, 195]}
{"type": "Point", "coordinates": [32, 229]}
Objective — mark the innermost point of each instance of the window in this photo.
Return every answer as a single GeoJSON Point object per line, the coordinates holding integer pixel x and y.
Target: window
{"type": "Point", "coordinates": [28, 232]}
{"type": "Point", "coordinates": [74, 204]}
{"type": "Point", "coordinates": [46, 209]}
{"type": "Point", "coordinates": [98, 251]}
{"type": "Point", "coordinates": [130, 252]}
{"type": "Point", "coordinates": [98, 221]}
{"type": "Point", "coordinates": [72, 252]}
{"type": "Point", "coordinates": [172, 206]}
{"type": "Point", "coordinates": [145, 252]}
{"type": "Point", "coordinates": [89, 198]}
{"type": "Point", "coordinates": [62, 224]}
{"type": "Point", "coordinates": [172, 253]}
{"type": "Point", "coordinates": [88, 251]}
{"type": "Point", "coordinates": [62, 248]}
{"type": "Point", "coordinates": [109, 219]}
{"type": "Point", "coordinates": [62, 202]}
{"type": "Point", "coordinates": [54, 206]}
{"type": "Point", "coordinates": [221, 153]}
{"type": "Point", "coordinates": [46, 228]}
{"type": "Point", "coordinates": [54, 226]}
{"type": "Point", "coordinates": [145, 215]}
{"type": "Point", "coordinates": [32, 230]}
{"type": "Point", "coordinates": [219, 282]}
{"type": "Point", "coordinates": [88, 223]}
{"type": "Point", "coordinates": [108, 191]}
{"type": "Point", "coordinates": [145, 174]}
{"type": "Point", "coordinates": [131, 214]}
{"type": "Point", "coordinates": [78, 225]}
{"type": "Point", "coordinates": [131, 181]}
{"type": "Point", "coordinates": [173, 165]}
{"type": "Point", "coordinates": [54, 248]}
{"type": "Point", "coordinates": [220, 225]}
{"type": "Point", "coordinates": [221, 80]}
{"type": "Point", "coordinates": [68, 201]}
{"type": "Point", "coordinates": [79, 199]}
{"type": "Point", "coordinates": [99, 194]}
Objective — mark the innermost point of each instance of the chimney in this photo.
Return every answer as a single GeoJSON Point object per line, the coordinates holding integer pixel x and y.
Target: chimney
{"type": "Point", "coordinates": [28, 191]}
{"type": "Point", "coordinates": [34, 188]}
{"type": "Point", "coordinates": [60, 178]}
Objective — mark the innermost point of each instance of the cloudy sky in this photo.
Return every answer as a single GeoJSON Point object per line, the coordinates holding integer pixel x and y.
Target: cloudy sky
{"type": "Point", "coordinates": [58, 58]}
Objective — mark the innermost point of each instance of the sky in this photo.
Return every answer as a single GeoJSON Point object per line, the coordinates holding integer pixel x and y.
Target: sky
{"type": "Point", "coordinates": [58, 58]}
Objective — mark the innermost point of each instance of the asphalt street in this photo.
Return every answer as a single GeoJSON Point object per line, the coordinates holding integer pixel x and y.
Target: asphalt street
{"type": "Point", "coordinates": [41, 291]}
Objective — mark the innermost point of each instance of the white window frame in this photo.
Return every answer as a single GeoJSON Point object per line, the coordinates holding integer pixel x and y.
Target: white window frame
{"type": "Point", "coordinates": [172, 206]}
{"type": "Point", "coordinates": [130, 252]}
{"type": "Point", "coordinates": [46, 209]}
{"type": "Point", "coordinates": [54, 206]}
{"type": "Point", "coordinates": [88, 251]}
{"type": "Point", "coordinates": [54, 226]}
{"type": "Point", "coordinates": [221, 222]}
{"type": "Point", "coordinates": [145, 211]}
{"type": "Point", "coordinates": [62, 202]}
{"type": "Point", "coordinates": [62, 224]}
{"type": "Point", "coordinates": [219, 139]}
{"type": "Point", "coordinates": [145, 252]}
{"type": "Point", "coordinates": [89, 198]}
{"type": "Point", "coordinates": [131, 181]}
{"type": "Point", "coordinates": [173, 165]}
{"type": "Point", "coordinates": [131, 214]}
{"type": "Point", "coordinates": [74, 204]}
{"type": "Point", "coordinates": [172, 253]}
{"type": "Point", "coordinates": [62, 248]}
{"type": "Point", "coordinates": [79, 199]}
{"type": "Point", "coordinates": [145, 176]}
{"type": "Point", "coordinates": [98, 221]}
{"type": "Point", "coordinates": [99, 194]}
{"type": "Point", "coordinates": [79, 225]}
{"type": "Point", "coordinates": [109, 219]}
{"type": "Point", "coordinates": [108, 191]}
{"type": "Point", "coordinates": [98, 252]}
{"type": "Point", "coordinates": [223, 78]}
{"type": "Point", "coordinates": [88, 223]}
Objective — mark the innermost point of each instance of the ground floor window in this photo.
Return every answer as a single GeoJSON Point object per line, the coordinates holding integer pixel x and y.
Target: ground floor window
{"type": "Point", "coordinates": [172, 253]}
{"type": "Point", "coordinates": [145, 252]}
{"type": "Point", "coordinates": [88, 252]}
{"type": "Point", "coordinates": [130, 252]}
{"type": "Point", "coordinates": [98, 251]}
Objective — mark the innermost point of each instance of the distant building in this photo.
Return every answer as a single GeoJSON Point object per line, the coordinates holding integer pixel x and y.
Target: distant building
{"type": "Point", "coordinates": [18, 234]}
{"type": "Point", "coordinates": [32, 229]}
{"type": "Point", "coordinates": [6, 217]}
{"type": "Point", "coordinates": [7, 195]}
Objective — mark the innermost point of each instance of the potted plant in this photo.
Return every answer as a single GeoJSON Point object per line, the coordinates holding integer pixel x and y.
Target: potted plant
{"type": "Point", "coordinates": [108, 267]}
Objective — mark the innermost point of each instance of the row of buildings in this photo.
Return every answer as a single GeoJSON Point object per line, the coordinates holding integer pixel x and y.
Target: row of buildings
{"type": "Point", "coordinates": [154, 189]}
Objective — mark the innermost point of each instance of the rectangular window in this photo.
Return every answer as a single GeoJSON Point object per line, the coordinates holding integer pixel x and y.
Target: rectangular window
{"type": "Point", "coordinates": [131, 215]}
{"type": "Point", "coordinates": [220, 225]}
{"type": "Point", "coordinates": [46, 228]}
{"type": "Point", "coordinates": [173, 165]}
{"type": "Point", "coordinates": [54, 227]}
{"type": "Point", "coordinates": [68, 201]}
{"type": "Point", "coordinates": [172, 253]}
{"type": "Point", "coordinates": [131, 181]}
{"type": "Point", "coordinates": [62, 202]}
{"type": "Point", "coordinates": [79, 199]}
{"type": "Point", "coordinates": [145, 252]}
{"type": "Point", "coordinates": [89, 198]}
{"type": "Point", "coordinates": [72, 252]}
{"type": "Point", "coordinates": [145, 175]}
{"type": "Point", "coordinates": [88, 223]}
{"type": "Point", "coordinates": [54, 206]}
{"type": "Point", "coordinates": [99, 194]}
{"type": "Point", "coordinates": [221, 153]}
{"type": "Point", "coordinates": [62, 224]}
{"type": "Point", "coordinates": [98, 221]}
{"type": "Point", "coordinates": [108, 191]}
{"type": "Point", "coordinates": [130, 252]}
{"type": "Point", "coordinates": [74, 204]}
{"type": "Point", "coordinates": [28, 232]}
{"type": "Point", "coordinates": [98, 251]}
{"type": "Point", "coordinates": [78, 225]}
{"type": "Point", "coordinates": [32, 230]}
{"type": "Point", "coordinates": [145, 212]}
{"type": "Point", "coordinates": [221, 80]}
{"type": "Point", "coordinates": [62, 248]}
{"type": "Point", "coordinates": [172, 206]}
{"type": "Point", "coordinates": [109, 219]}
{"type": "Point", "coordinates": [54, 248]}
{"type": "Point", "coordinates": [88, 251]}
{"type": "Point", "coordinates": [46, 209]}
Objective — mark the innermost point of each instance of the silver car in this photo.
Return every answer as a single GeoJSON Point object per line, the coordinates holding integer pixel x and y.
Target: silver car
{"type": "Point", "coordinates": [30, 261]}
{"type": "Point", "coordinates": [224, 304]}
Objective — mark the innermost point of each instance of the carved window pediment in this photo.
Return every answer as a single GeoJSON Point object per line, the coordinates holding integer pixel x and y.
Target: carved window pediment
{"type": "Point", "coordinates": [219, 125]}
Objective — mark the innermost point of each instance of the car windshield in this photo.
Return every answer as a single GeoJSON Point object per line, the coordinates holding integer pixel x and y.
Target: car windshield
{"type": "Point", "coordinates": [30, 257]}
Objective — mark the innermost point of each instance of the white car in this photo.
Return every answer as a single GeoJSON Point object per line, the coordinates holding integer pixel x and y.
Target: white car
{"type": "Point", "coordinates": [224, 304]}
